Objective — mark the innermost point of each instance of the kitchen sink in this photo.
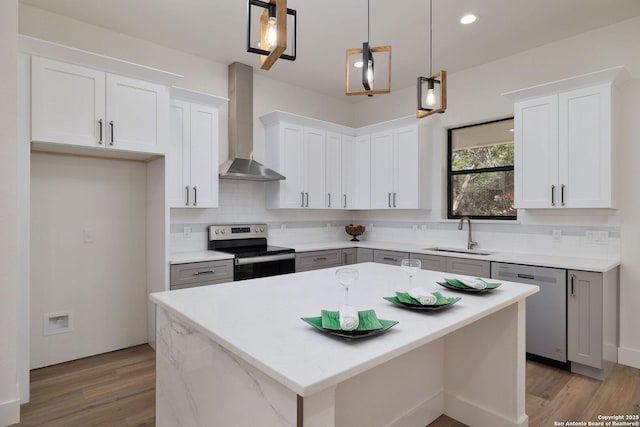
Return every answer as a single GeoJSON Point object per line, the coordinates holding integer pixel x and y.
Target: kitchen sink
{"type": "Point", "coordinates": [459, 251]}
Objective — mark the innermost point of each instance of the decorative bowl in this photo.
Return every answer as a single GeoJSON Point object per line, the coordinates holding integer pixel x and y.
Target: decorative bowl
{"type": "Point", "coordinates": [354, 231]}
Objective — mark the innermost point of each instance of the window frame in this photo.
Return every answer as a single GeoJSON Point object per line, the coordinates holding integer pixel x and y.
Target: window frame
{"type": "Point", "coordinates": [451, 174]}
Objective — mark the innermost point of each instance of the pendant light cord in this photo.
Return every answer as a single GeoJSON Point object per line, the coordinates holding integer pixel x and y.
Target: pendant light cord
{"type": "Point", "coordinates": [431, 37]}
{"type": "Point", "coordinates": [368, 21]}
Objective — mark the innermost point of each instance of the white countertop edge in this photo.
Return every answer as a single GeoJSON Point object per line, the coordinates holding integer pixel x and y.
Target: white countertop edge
{"type": "Point", "coordinates": [312, 388]}
{"type": "Point", "coordinates": [198, 256]}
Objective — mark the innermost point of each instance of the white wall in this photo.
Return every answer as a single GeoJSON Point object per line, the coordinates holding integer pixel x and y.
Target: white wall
{"type": "Point", "coordinates": [102, 284]}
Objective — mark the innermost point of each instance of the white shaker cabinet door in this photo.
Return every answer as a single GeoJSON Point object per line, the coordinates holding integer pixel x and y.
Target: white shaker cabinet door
{"type": "Point", "coordinates": [204, 156]}
{"type": "Point", "coordinates": [362, 171]}
{"type": "Point", "coordinates": [348, 196]}
{"type": "Point", "coordinates": [536, 153]}
{"type": "Point", "coordinates": [333, 178]}
{"type": "Point", "coordinates": [585, 147]}
{"type": "Point", "coordinates": [137, 114]}
{"type": "Point", "coordinates": [290, 146]}
{"type": "Point", "coordinates": [179, 155]}
{"type": "Point", "coordinates": [405, 166]}
{"type": "Point", "coordinates": [314, 168]}
{"type": "Point", "coordinates": [68, 103]}
{"type": "Point", "coordinates": [382, 170]}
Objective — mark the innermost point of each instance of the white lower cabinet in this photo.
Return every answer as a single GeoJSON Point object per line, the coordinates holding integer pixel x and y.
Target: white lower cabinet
{"type": "Point", "coordinates": [592, 322]}
{"type": "Point", "coordinates": [192, 160]}
{"type": "Point", "coordinates": [81, 106]}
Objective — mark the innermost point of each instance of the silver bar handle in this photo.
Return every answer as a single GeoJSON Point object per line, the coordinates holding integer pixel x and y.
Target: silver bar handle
{"type": "Point", "coordinates": [553, 195]}
{"type": "Point", "coordinates": [344, 258]}
{"type": "Point", "coordinates": [112, 127]}
{"type": "Point", "coordinates": [320, 258]}
{"type": "Point", "coordinates": [394, 200]}
{"type": "Point", "coordinates": [562, 195]}
{"type": "Point", "coordinates": [195, 196]}
{"type": "Point", "coordinates": [100, 123]}
{"type": "Point", "coordinates": [390, 259]}
{"type": "Point", "coordinates": [197, 273]}
{"type": "Point", "coordinates": [302, 199]}
{"type": "Point", "coordinates": [329, 194]}
{"type": "Point", "coordinates": [345, 200]}
{"type": "Point", "coordinates": [306, 205]}
{"type": "Point", "coordinates": [267, 258]}
{"type": "Point", "coordinates": [389, 202]}
{"type": "Point", "coordinates": [186, 189]}
{"type": "Point", "coordinates": [572, 290]}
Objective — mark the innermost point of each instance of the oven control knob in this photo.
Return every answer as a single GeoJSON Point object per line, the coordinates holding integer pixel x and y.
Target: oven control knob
{"type": "Point", "coordinates": [256, 229]}
{"type": "Point", "coordinates": [261, 229]}
{"type": "Point", "coordinates": [217, 231]}
{"type": "Point", "coordinates": [222, 231]}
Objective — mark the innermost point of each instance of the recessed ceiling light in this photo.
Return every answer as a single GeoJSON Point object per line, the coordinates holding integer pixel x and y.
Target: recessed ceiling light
{"type": "Point", "coordinates": [468, 19]}
{"type": "Point", "coordinates": [358, 64]}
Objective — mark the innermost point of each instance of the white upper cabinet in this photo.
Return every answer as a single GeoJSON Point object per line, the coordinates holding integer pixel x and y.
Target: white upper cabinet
{"type": "Point", "coordinates": [81, 106]}
{"type": "Point", "coordinates": [564, 147]}
{"type": "Point", "coordinates": [395, 166]}
{"type": "Point", "coordinates": [192, 158]}
{"type": "Point", "coordinates": [362, 173]}
{"type": "Point", "coordinates": [284, 155]}
{"type": "Point", "coordinates": [340, 173]}
{"type": "Point", "coordinates": [313, 163]}
{"type": "Point", "coordinates": [348, 172]}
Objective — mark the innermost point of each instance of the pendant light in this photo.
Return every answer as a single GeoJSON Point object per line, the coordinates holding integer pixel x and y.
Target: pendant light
{"type": "Point", "coordinates": [432, 90]}
{"type": "Point", "coordinates": [273, 25]}
{"type": "Point", "coordinates": [365, 60]}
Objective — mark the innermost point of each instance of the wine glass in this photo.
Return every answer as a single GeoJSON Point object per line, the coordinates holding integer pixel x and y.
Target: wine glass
{"type": "Point", "coordinates": [411, 266]}
{"type": "Point", "coordinates": [346, 276]}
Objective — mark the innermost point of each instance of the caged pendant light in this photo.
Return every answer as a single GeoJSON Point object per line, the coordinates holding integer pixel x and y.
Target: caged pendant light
{"type": "Point", "coordinates": [275, 21]}
{"type": "Point", "coordinates": [432, 90]}
{"type": "Point", "coordinates": [365, 59]}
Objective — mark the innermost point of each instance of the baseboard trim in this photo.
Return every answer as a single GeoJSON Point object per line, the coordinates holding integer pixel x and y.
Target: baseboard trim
{"type": "Point", "coordinates": [469, 413]}
{"type": "Point", "coordinates": [422, 414]}
{"type": "Point", "coordinates": [629, 357]}
{"type": "Point", "coordinates": [9, 412]}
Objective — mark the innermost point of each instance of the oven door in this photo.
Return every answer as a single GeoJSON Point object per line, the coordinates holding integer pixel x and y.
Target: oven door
{"type": "Point", "coordinates": [263, 266]}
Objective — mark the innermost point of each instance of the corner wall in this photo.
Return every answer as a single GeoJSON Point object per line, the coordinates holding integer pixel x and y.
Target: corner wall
{"type": "Point", "coordinates": [9, 224]}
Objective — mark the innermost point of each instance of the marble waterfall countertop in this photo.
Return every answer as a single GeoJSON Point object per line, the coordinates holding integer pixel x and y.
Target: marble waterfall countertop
{"type": "Point", "coordinates": [259, 320]}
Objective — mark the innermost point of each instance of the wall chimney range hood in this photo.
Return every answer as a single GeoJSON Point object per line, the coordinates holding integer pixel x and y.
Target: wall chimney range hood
{"type": "Point", "coordinates": [240, 164]}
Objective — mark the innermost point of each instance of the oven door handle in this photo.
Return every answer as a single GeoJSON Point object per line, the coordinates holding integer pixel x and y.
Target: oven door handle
{"type": "Point", "coordinates": [266, 258]}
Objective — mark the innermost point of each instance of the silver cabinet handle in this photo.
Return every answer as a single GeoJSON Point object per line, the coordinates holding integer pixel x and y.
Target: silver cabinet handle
{"type": "Point", "coordinates": [329, 194]}
{"type": "Point", "coordinates": [320, 258]}
{"type": "Point", "coordinates": [197, 273]}
{"type": "Point", "coordinates": [302, 199]}
{"type": "Point", "coordinates": [344, 257]}
{"type": "Point", "coordinates": [306, 205]}
{"type": "Point", "coordinates": [562, 195]}
{"type": "Point", "coordinates": [100, 123]}
{"type": "Point", "coordinates": [394, 200]}
{"type": "Point", "coordinates": [186, 189]}
{"type": "Point", "coordinates": [553, 195]}
{"type": "Point", "coordinates": [390, 259]}
{"type": "Point", "coordinates": [345, 200]}
{"type": "Point", "coordinates": [112, 127]}
{"type": "Point", "coordinates": [195, 196]}
{"type": "Point", "coordinates": [389, 202]}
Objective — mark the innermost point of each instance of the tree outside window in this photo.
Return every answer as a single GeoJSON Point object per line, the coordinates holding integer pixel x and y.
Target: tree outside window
{"type": "Point", "coordinates": [480, 171]}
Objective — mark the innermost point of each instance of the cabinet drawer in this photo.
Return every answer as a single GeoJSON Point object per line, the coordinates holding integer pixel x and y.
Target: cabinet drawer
{"type": "Point", "coordinates": [364, 255]}
{"type": "Point", "coordinates": [431, 262]}
{"type": "Point", "coordinates": [389, 257]}
{"type": "Point", "coordinates": [469, 267]}
{"type": "Point", "coordinates": [318, 259]}
{"type": "Point", "coordinates": [349, 256]}
{"type": "Point", "coordinates": [201, 273]}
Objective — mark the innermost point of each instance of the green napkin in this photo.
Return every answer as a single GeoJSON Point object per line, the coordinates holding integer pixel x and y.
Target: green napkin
{"type": "Point", "coordinates": [367, 320]}
{"type": "Point", "coordinates": [440, 299]}
{"type": "Point", "coordinates": [459, 284]}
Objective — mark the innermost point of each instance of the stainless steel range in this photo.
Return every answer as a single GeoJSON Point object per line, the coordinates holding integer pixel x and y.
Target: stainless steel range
{"type": "Point", "coordinates": [253, 256]}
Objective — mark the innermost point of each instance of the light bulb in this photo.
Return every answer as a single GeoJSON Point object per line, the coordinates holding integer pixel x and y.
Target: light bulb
{"type": "Point", "coordinates": [370, 74]}
{"type": "Point", "coordinates": [272, 32]}
{"type": "Point", "coordinates": [431, 97]}
{"type": "Point", "coordinates": [358, 64]}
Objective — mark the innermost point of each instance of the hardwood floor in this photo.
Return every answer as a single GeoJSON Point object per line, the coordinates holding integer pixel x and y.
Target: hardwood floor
{"type": "Point", "coordinates": [118, 389]}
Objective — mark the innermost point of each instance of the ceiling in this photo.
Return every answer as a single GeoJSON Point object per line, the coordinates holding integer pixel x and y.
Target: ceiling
{"type": "Point", "coordinates": [216, 29]}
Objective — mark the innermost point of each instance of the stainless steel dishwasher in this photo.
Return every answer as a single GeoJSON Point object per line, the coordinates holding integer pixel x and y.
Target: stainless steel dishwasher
{"type": "Point", "coordinates": [546, 310]}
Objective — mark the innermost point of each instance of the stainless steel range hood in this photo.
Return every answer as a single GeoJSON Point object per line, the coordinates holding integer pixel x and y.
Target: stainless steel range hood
{"type": "Point", "coordinates": [240, 164]}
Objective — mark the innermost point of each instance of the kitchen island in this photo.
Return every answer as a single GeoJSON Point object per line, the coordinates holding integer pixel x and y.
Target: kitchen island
{"type": "Point", "coordinates": [238, 354]}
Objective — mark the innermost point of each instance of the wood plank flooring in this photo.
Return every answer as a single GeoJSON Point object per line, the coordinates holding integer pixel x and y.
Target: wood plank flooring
{"type": "Point", "coordinates": [118, 389]}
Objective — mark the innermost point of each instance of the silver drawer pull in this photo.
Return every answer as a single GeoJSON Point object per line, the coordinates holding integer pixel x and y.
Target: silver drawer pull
{"type": "Point", "coordinates": [197, 273]}
{"type": "Point", "coordinates": [526, 276]}
{"type": "Point", "coordinates": [390, 259]}
{"type": "Point", "coordinates": [321, 258]}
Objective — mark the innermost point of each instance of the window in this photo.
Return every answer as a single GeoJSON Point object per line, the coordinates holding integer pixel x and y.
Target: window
{"type": "Point", "coordinates": [480, 171]}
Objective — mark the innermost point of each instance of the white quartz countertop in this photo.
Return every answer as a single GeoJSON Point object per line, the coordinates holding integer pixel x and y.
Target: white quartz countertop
{"type": "Point", "coordinates": [259, 320]}
{"type": "Point", "coordinates": [556, 261]}
{"type": "Point", "coordinates": [198, 256]}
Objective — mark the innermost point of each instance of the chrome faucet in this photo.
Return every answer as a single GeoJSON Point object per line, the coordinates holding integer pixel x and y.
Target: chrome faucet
{"type": "Point", "coordinates": [470, 243]}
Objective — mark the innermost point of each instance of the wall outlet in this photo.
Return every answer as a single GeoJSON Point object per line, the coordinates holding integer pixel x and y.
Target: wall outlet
{"type": "Point", "coordinates": [556, 236]}
{"type": "Point", "coordinates": [186, 232]}
{"type": "Point", "coordinates": [328, 228]}
{"type": "Point", "coordinates": [597, 237]}
{"type": "Point", "coordinates": [414, 227]}
{"type": "Point", "coordinates": [283, 227]}
{"type": "Point", "coordinates": [423, 227]}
